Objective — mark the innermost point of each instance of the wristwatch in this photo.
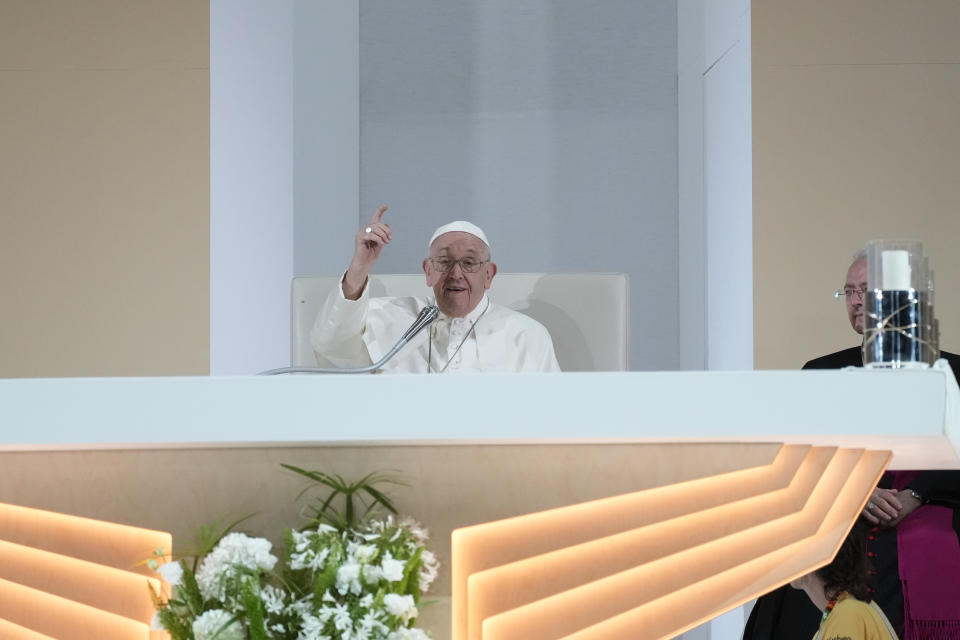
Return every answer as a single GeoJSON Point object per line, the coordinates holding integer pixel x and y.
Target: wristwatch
{"type": "Point", "coordinates": [916, 495]}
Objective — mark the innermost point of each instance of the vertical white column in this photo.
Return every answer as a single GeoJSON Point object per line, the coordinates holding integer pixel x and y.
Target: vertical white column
{"type": "Point", "coordinates": [715, 204]}
{"type": "Point", "coordinates": [728, 185]}
{"type": "Point", "coordinates": [251, 184]}
{"type": "Point", "coordinates": [692, 249]}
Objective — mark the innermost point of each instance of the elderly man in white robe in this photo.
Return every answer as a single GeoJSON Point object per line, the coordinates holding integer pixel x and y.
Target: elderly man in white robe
{"type": "Point", "coordinates": [471, 334]}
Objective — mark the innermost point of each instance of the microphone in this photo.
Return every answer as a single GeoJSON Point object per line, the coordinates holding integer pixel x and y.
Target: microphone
{"type": "Point", "coordinates": [426, 316]}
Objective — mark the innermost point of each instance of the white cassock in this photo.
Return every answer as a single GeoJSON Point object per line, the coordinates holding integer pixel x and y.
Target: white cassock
{"type": "Point", "coordinates": [357, 333]}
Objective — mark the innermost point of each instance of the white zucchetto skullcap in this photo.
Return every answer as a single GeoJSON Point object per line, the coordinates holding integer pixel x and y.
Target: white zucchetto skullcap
{"type": "Point", "coordinates": [459, 225]}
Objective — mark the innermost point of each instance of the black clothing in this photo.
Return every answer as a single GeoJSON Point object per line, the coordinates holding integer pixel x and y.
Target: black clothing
{"type": "Point", "coordinates": [787, 613]}
{"type": "Point", "coordinates": [853, 357]}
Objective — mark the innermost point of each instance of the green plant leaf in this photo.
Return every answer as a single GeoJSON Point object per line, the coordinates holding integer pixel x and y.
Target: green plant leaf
{"type": "Point", "coordinates": [253, 607]}
{"type": "Point", "coordinates": [355, 508]}
{"type": "Point", "coordinates": [190, 591]}
{"type": "Point", "coordinates": [226, 625]}
{"type": "Point", "coordinates": [379, 498]}
{"type": "Point", "coordinates": [410, 585]}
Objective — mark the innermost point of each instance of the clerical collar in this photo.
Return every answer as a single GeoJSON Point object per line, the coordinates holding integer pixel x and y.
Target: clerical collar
{"type": "Point", "coordinates": [471, 317]}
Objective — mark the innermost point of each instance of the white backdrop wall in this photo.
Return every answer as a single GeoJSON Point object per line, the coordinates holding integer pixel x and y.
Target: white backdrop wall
{"type": "Point", "coordinates": [551, 124]}
{"type": "Point", "coordinates": [326, 121]}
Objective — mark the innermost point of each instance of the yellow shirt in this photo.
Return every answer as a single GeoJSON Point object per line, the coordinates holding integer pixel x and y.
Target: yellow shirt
{"type": "Point", "coordinates": [853, 619]}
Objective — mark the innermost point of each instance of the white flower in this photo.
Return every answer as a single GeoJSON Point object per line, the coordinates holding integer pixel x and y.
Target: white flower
{"type": "Point", "coordinates": [371, 623]}
{"type": "Point", "coordinates": [366, 600]}
{"type": "Point", "coordinates": [300, 560]}
{"type": "Point", "coordinates": [416, 529]}
{"type": "Point", "coordinates": [155, 624]}
{"type": "Point", "coordinates": [392, 569]}
{"type": "Point", "coordinates": [309, 559]}
{"type": "Point", "coordinates": [312, 629]}
{"type": "Point", "coordinates": [341, 617]}
{"type": "Point", "coordinates": [372, 573]}
{"type": "Point", "coordinates": [172, 572]}
{"type": "Point", "coordinates": [272, 599]}
{"type": "Point", "coordinates": [408, 634]}
{"type": "Point", "coordinates": [208, 623]}
{"type": "Point", "coordinates": [364, 553]}
{"type": "Point", "coordinates": [400, 606]}
{"type": "Point", "coordinates": [301, 607]}
{"type": "Point", "coordinates": [325, 613]}
{"type": "Point", "coordinates": [348, 578]}
{"type": "Point", "coordinates": [234, 551]}
{"type": "Point", "coordinates": [428, 570]}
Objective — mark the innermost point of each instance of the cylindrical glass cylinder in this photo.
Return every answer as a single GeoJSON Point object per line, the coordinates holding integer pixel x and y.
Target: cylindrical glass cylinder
{"type": "Point", "coordinates": [895, 306]}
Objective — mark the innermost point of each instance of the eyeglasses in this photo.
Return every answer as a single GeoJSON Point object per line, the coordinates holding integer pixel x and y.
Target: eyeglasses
{"type": "Point", "coordinates": [467, 265]}
{"type": "Point", "coordinates": [849, 292]}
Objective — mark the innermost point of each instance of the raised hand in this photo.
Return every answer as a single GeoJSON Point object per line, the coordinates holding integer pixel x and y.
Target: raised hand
{"type": "Point", "coordinates": [367, 246]}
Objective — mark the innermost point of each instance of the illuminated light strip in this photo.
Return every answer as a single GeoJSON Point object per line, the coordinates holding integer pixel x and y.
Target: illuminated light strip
{"type": "Point", "coordinates": [62, 618]}
{"type": "Point", "coordinates": [610, 597]}
{"type": "Point", "coordinates": [10, 631]}
{"type": "Point", "coordinates": [696, 581]}
{"type": "Point", "coordinates": [73, 577]}
{"type": "Point", "coordinates": [106, 543]}
{"type": "Point", "coordinates": [517, 538]}
{"type": "Point", "coordinates": [701, 601]}
{"type": "Point", "coordinates": [676, 565]}
{"type": "Point", "coordinates": [106, 588]}
{"type": "Point", "coordinates": [524, 581]}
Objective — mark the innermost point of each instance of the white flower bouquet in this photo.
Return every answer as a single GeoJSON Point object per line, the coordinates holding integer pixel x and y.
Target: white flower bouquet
{"type": "Point", "coordinates": [359, 582]}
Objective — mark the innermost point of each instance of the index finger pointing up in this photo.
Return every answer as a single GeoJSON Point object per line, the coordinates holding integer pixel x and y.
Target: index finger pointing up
{"type": "Point", "coordinates": [379, 214]}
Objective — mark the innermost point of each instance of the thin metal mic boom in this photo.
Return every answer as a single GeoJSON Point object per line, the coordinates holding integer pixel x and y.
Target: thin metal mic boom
{"type": "Point", "coordinates": [427, 315]}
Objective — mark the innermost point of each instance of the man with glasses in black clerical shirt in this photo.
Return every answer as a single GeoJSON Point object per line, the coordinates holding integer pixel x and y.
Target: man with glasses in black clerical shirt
{"type": "Point", "coordinates": [854, 293]}
{"type": "Point", "coordinates": [902, 568]}
{"type": "Point", "coordinates": [471, 334]}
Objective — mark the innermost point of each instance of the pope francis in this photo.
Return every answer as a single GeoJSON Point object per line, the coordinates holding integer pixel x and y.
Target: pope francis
{"type": "Point", "coordinates": [472, 334]}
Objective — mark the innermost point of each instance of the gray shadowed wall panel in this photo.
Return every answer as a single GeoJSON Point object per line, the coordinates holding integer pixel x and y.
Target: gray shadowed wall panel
{"type": "Point", "coordinates": [552, 124]}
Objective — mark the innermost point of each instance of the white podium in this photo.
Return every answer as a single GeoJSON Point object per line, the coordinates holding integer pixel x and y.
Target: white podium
{"type": "Point", "coordinates": [486, 448]}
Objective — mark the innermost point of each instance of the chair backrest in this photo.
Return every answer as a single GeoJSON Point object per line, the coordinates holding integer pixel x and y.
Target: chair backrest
{"type": "Point", "coordinates": [585, 313]}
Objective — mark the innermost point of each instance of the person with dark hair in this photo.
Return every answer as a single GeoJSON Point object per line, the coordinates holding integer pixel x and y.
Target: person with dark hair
{"type": "Point", "coordinates": [914, 544]}
{"type": "Point", "coordinates": [840, 591]}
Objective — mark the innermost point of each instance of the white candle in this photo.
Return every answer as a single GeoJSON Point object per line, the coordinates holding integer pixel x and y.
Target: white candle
{"type": "Point", "coordinates": [896, 270]}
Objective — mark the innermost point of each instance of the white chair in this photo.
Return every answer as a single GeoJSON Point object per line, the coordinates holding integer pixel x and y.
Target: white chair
{"type": "Point", "coordinates": [585, 313]}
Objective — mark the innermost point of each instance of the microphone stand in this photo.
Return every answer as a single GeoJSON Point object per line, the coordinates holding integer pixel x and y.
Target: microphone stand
{"type": "Point", "coordinates": [426, 317]}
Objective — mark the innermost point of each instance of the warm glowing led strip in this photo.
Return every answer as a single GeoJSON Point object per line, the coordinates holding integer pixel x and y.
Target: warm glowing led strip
{"type": "Point", "coordinates": [10, 631]}
{"type": "Point", "coordinates": [513, 539]}
{"type": "Point", "coordinates": [667, 557]}
{"type": "Point", "coordinates": [72, 577]}
{"type": "Point", "coordinates": [638, 579]}
{"type": "Point", "coordinates": [106, 588]}
{"type": "Point", "coordinates": [61, 618]}
{"type": "Point", "coordinates": [701, 601]}
{"type": "Point", "coordinates": [511, 585]}
{"type": "Point", "coordinates": [594, 603]}
{"type": "Point", "coordinates": [106, 543]}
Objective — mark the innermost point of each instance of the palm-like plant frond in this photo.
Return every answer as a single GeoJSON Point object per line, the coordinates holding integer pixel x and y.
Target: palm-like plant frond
{"type": "Point", "coordinates": [360, 498]}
